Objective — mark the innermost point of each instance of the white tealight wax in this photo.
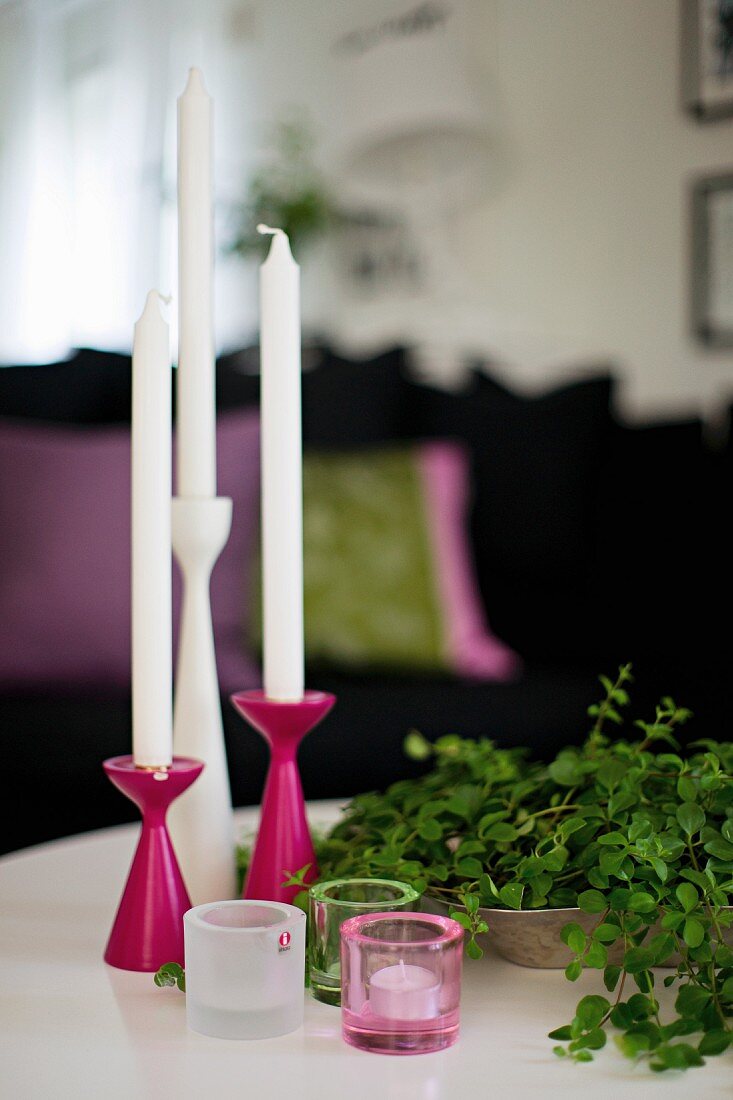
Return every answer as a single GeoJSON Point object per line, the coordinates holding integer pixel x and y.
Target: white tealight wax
{"type": "Point", "coordinates": [404, 992]}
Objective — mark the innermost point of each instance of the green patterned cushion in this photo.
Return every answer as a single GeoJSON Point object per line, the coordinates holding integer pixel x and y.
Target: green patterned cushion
{"type": "Point", "coordinates": [388, 576]}
{"type": "Point", "coordinates": [370, 596]}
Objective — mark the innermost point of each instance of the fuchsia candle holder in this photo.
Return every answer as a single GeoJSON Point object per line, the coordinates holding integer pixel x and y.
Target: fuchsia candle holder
{"type": "Point", "coordinates": [148, 929]}
{"type": "Point", "coordinates": [401, 982]}
{"type": "Point", "coordinates": [283, 842]}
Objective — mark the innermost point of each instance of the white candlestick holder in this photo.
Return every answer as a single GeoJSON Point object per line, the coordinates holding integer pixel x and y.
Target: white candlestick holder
{"type": "Point", "coordinates": [201, 822]}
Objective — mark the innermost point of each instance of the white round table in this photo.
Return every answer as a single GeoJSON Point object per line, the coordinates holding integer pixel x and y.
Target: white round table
{"type": "Point", "coordinates": [72, 1027]}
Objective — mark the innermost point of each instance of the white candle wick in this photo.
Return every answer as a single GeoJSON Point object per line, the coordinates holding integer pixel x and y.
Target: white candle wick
{"type": "Point", "coordinates": [403, 973]}
{"type": "Point", "coordinates": [265, 229]}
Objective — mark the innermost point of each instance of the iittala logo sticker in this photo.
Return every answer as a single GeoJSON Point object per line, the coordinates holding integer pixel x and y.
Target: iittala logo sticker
{"type": "Point", "coordinates": [284, 942]}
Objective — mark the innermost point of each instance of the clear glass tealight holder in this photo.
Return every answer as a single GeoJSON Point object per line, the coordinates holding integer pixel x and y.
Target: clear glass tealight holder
{"type": "Point", "coordinates": [330, 904]}
{"type": "Point", "coordinates": [245, 964]}
{"type": "Point", "coordinates": [401, 982]}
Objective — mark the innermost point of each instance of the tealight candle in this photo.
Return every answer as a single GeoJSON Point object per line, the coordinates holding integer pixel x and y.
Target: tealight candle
{"type": "Point", "coordinates": [401, 982]}
{"type": "Point", "coordinates": [404, 993]}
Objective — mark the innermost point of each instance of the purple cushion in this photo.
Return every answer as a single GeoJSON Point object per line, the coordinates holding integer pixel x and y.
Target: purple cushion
{"type": "Point", "coordinates": [65, 554]}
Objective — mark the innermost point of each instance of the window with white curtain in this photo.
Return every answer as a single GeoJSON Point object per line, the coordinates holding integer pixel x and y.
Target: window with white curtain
{"type": "Point", "coordinates": [87, 165]}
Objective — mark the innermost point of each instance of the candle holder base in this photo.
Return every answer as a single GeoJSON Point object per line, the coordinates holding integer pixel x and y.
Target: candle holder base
{"type": "Point", "coordinates": [284, 843]}
{"type": "Point", "coordinates": [408, 1040]}
{"type": "Point", "coordinates": [148, 928]}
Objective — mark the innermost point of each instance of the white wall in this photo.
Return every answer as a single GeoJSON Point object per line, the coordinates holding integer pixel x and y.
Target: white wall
{"type": "Point", "coordinates": [587, 245]}
{"type": "Point", "coordinates": [580, 250]}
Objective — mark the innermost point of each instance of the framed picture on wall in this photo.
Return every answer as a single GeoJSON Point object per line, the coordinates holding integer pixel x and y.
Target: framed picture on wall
{"type": "Point", "coordinates": [707, 58]}
{"type": "Point", "coordinates": [712, 260]}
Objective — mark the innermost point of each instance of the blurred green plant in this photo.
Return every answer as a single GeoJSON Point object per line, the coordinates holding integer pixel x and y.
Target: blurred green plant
{"type": "Point", "coordinates": [287, 191]}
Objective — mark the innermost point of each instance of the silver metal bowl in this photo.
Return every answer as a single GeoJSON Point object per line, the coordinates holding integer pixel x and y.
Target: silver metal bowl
{"type": "Point", "coordinates": [531, 937]}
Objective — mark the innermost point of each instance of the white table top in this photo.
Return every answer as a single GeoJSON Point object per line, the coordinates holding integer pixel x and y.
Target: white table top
{"type": "Point", "coordinates": [71, 1027]}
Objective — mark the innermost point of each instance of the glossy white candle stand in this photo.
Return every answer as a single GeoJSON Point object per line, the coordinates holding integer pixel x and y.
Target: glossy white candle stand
{"type": "Point", "coordinates": [200, 821]}
{"type": "Point", "coordinates": [245, 964]}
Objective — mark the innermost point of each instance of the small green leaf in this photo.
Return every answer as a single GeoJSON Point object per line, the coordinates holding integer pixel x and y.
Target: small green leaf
{"type": "Point", "coordinates": [573, 970]}
{"type": "Point", "coordinates": [462, 918]}
{"type": "Point", "coordinates": [686, 789]}
{"type": "Point", "coordinates": [501, 832]}
{"type": "Point", "coordinates": [632, 1043]}
{"type": "Point", "coordinates": [591, 1010]}
{"type": "Point", "coordinates": [693, 932]}
{"type": "Point", "coordinates": [691, 1000]}
{"type": "Point", "coordinates": [687, 896]}
{"type": "Point", "coordinates": [642, 902]}
{"type": "Point", "coordinates": [592, 901]}
{"type": "Point", "coordinates": [416, 747]}
{"type": "Point", "coordinates": [721, 849]}
{"type": "Point", "coordinates": [611, 976]}
{"type": "Point", "coordinates": [469, 868]}
{"type": "Point", "coordinates": [612, 838]}
{"type": "Point", "coordinates": [171, 974]}
{"type": "Point", "coordinates": [637, 959]}
{"type": "Point", "coordinates": [606, 933]}
{"type": "Point", "coordinates": [660, 868]}
{"type": "Point", "coordinates": [511, 895]}
{"type": "Point", "coordinates": [691, 817]}
{"type": "Point", "coordinates": [596, 956]}
{"type": "Point", "coordinates": [715, 1042]}
{"type": "Point", "coordinates": [563, 1033]}
{"type": "Point", "coordinates": [471, 901]}
{"type": "Point", "coordinates": [430, 829]}
{"type": "Point", "coordinates": [618, 898]}
{"type": "Point", "coordinates": [621, 1016]}
{"type": "Point", "coordinates": [574, 936]}
{"type": "Point", "coordinates": [473, 950]}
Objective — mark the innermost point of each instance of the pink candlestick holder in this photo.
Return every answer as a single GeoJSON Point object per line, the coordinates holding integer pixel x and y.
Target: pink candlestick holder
{"type": "Point", "coordinates": [148, 929]}
{"type": "Point", "coordinates": [284, 843]}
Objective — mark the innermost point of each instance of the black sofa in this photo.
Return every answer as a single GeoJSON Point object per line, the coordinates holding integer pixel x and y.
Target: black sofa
{"type": "Point", "coordinates": [595, 543]}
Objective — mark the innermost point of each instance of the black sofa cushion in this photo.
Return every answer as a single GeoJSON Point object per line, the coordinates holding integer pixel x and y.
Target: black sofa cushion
{"type": "Point", "coordinates": [536, 466]}
{"type": "Point", "coordinates": [350, 403]}
{"type": "Point", "coordinates": [663, 549]}
{"type": "Point", "coordinates": [91, 387]}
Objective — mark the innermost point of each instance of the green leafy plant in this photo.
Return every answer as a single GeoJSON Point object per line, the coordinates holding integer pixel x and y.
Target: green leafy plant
{"type": "Point", "coordinates": [635, 832]}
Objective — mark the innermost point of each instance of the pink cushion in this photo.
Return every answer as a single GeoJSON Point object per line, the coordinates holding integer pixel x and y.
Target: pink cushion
{"type": "Point", "coordinates": [474, 650]}
{"type": "Point", "coordinates": [65, 554]}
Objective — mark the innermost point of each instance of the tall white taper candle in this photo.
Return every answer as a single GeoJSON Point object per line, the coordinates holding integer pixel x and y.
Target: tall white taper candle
{"type": "Point", "coordinates": [196, 416]}
{"type": "Point", "coordinates": [152, 735]}
{"type": "Point", "coordinates": [282, 492]}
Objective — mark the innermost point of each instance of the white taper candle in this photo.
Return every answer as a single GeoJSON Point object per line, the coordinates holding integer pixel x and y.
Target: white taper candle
{"type": "Point", "coordinates": [152, 734]}
{"type": "Point", "coordinates": [196, 415]}
{"type": "Point", "coordinates": [282, 492]}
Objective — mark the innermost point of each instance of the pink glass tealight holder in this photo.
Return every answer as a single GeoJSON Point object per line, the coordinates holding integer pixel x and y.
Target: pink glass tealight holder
{"type": "Point", "coordinates": [401, 982]}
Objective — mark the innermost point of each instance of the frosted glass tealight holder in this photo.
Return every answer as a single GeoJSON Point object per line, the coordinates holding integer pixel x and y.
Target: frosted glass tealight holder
{"type": "Point", "coordinates": [245, 964]}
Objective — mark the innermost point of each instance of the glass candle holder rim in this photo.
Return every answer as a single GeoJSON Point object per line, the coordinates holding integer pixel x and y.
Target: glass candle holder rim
{"type": "Point", "coordinates": [406, 892]}
{"type": "Point", "coordinates": [287, 915]}
{"type": "Point", "coordinates": [451, 930]}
